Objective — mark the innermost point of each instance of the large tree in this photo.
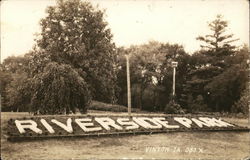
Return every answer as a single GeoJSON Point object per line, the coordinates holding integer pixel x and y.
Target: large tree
{"type": "Point", "coordinates": [59, 89]}
{"type": "Point", "coordinates": [75, 33]}
{"type": "Point", "coordinates": [18, 93]}
{"type": "Point", "coordinates": [5, 79]}
{"type": "Point", "coordinates": [13, 83]}
{"type": "Point", "coordinates": [174, 52]}
{"type": "Point", "coordinates": [151, 73]}
{"type": "Point", "coordinates": [226, 88]}
{"type": "Point", "coordinates": [212, 76]}
{"type": "Point", "coordinates": [73, 58]}
{"type": "Point", "coordinates": [218, 41]}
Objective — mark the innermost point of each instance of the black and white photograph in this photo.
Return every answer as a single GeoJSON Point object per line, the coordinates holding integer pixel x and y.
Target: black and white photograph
{"type": "Point", "coordinates": [125, 79]}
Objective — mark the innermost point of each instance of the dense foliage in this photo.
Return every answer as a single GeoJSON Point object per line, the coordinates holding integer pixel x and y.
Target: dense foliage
{"type": "Point", "coordinates": [151, 74]}
{"type": "Point", "coordinates": [75, 33]}
{"type": "Point", "coordinates": [75, 61]}
{"type": "Point", "coordinates": [218, 73]}
{"type": "Point", "coordinates": [59, 89]}
{"type": "Point", "coordinates": [74, 42]}
{"type": "Point", "coordinates": [242, 105]}
{"type": "Point", "coordinates": [173, 108]}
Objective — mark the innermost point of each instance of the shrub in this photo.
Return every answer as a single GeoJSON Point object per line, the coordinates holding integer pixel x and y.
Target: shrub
{"type": "Point", "coordinates": [198, 105]}
{"type": "Point", "coordinates": [173, 108]}
{"type": "Point", "coordinates": [95, 105]}
{"type": "Point", "coordinates": [241, 106]}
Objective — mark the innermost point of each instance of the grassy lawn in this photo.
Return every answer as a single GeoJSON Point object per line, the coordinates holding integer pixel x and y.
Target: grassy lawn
{"type": "Point", "coordinates": [176, 145]}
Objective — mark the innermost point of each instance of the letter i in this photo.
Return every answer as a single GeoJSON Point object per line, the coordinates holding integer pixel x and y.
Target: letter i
{"type": "Point", "coordinates": [47, 126]}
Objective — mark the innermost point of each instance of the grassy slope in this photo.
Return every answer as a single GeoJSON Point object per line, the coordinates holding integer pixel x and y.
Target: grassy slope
{"type": "Point", "coordinates": [214, 145]}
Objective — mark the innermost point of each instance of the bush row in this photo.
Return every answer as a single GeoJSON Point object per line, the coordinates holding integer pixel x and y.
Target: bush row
{"type": "Point", "coordinates": [95, 105]}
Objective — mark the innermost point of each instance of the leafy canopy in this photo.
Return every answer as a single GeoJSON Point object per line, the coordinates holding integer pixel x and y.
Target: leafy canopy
{"type": "Point", "coordinates": [75, 33]}
{"type": "Point", "coordinates": [59, 88]}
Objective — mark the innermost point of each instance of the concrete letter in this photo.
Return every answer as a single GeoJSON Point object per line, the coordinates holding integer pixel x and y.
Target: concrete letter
{"type": "Point", "coordinates": [210, 121]}
{"type": "Point", "coordinates": [67, 127]}
{"type": "Point", "coordinates": [163, 122]}
{"type": "Point", "coordinates": [200, 123]}
{"type": "Point", "coordinates": [224, 124]}
{"type": "Point", "coordinates": [27, 124]}
{"type": "Point", "coordinates": [184, 121]}
{"type": "Point", "coordinates": [106, 122]}
{"type": "Point", "coordinates": [84, 126]}
{"type": "Point", "coordinates": [142, 122]}
{"type": "Point", "coordinates": [47, 126]}
{"type": "Point", "coordinates": [129, 124]}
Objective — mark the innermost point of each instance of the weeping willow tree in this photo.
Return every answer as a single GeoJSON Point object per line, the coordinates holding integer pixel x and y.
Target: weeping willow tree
{"type": "Point", "coordinates": [59, 89]}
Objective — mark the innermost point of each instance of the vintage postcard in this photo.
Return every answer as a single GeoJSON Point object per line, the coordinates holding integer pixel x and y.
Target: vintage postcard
{"type": "Point", "coordinates": [124, 79]}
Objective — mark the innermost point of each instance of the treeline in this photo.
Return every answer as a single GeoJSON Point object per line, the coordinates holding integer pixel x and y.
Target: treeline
{"type": "Point", "coordinates": [74, 61]}
{"type": "Point", "coordinates": [205, 81]}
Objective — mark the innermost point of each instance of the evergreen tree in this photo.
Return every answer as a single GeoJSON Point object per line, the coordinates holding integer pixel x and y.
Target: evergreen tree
{"type": "Point", "coordinates": [218, 41]}
{"type": "Point", "coordinates": [209, 63]}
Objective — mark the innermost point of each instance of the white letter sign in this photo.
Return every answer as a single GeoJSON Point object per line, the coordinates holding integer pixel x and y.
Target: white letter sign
{"type": "Point", "coordinates": [96, 125]}
{"type": "Point", "coordinates": [129, 124]}
{"type": "Point", "coordinates": [47, 126]}
{"type": "Point", "coordinates": [184, 121]}
{"type": "Point", "coordinates": [84, 126]}
{"type": "Point", "coordinates": [106, 122]}
{"type": "Point", "coordinates": [67, 127]}
{"type": "Point", "coordinates": [142, 122]}
{"type": "Point", "coordinates": [27, 124]}
{"type": "Point", "coordinates": [200, 123]}
{"type": "Point", "coordinates": [163, 122]}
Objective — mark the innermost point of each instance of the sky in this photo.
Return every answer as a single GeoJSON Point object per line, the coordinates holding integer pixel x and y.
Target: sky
{"type": "Point", "coordinates": [132, 22]}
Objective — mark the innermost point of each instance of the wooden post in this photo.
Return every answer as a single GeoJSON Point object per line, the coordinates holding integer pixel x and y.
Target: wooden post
{"type": "Point", "coordinates": [174, 65]}
{"type": "Point", "coordinates": [128, 86]}
{"type": "Point", "coordinates": [174, 82]}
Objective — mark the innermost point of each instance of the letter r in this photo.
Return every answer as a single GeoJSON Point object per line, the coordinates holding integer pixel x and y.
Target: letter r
{"type": "Point", "coordinates": [27, 124]}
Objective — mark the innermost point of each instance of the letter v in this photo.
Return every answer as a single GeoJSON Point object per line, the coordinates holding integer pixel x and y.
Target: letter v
{"type": "Point", "coordinates": [67, 127]}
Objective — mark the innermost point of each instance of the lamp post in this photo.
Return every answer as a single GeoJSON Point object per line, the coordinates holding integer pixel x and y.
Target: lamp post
{"type": "Point", "coordinates": [128, 85]}
{"type": "Point", "coordinates": [174, 65]}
